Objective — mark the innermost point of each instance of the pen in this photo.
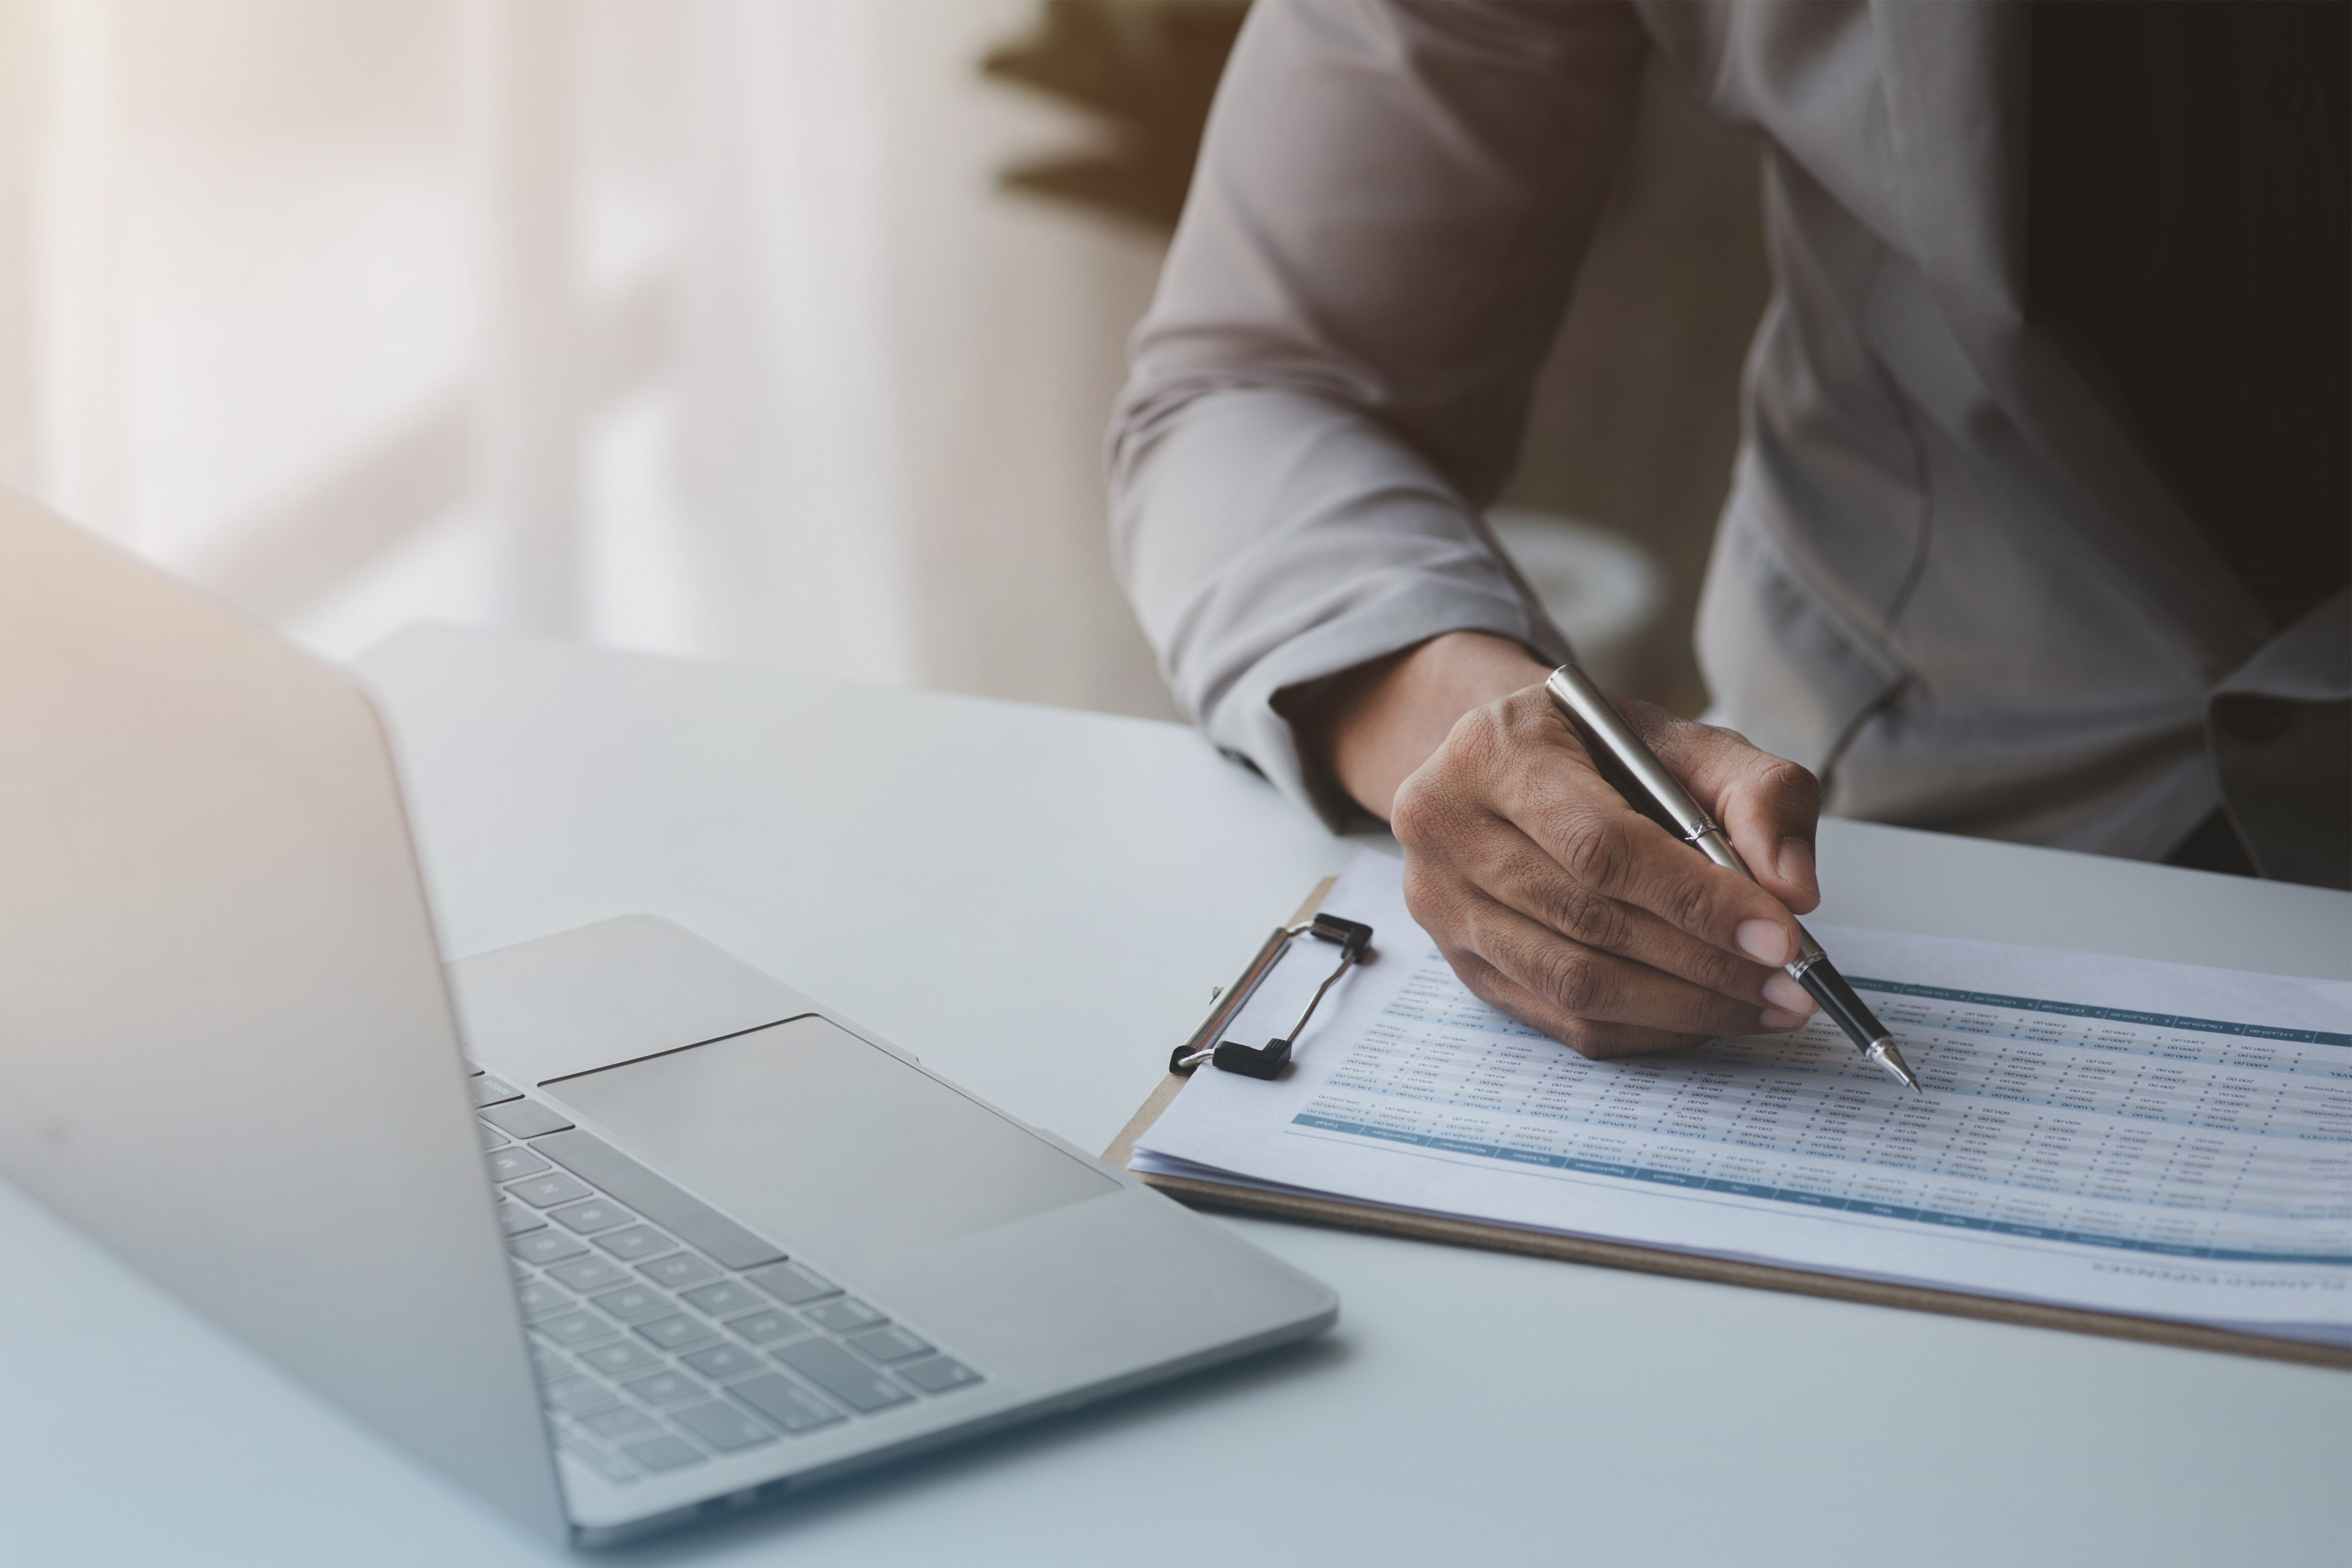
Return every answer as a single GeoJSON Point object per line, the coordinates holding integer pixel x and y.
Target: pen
{"type": "Point", "coordinates": [1605, 729]}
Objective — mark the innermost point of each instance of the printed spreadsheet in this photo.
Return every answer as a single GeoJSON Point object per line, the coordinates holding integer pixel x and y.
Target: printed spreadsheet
{"type": "Point", "coordinates": [2102, 1132]}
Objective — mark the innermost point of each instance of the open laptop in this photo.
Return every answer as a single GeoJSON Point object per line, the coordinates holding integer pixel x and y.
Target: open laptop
{"type": "Point", "coordinates": [654, 1236]}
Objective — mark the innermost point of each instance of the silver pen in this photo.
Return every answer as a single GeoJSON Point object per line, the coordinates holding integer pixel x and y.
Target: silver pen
{"type": "Point", "coordinates": [1605, 729]}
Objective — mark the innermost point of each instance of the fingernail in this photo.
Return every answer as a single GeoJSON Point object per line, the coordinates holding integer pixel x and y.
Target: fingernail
{"type": "Point", "coordinates": [1763, 941]}
{"type": "Point", "coordinates": [1796, 865]}
{"type": "Point", "coordinates": [1776, 1020]}
{"type": "Point", "coordinates": [1787, 996]}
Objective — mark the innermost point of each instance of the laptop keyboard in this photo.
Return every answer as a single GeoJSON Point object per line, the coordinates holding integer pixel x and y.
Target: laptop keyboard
{"type": "Point", "coordinates": [664, 1333]}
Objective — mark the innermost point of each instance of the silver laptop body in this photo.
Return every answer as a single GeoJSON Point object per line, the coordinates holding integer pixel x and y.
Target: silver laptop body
{"type": "Point", "coordinates": [735, 1242]}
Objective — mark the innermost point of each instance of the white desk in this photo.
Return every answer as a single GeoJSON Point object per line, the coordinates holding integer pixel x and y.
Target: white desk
{"type": "Point", "coordinates": [1074, 883]}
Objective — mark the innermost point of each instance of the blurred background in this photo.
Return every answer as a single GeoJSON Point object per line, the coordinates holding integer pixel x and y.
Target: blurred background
{"type": "Point", "coordinates": [774, 330]}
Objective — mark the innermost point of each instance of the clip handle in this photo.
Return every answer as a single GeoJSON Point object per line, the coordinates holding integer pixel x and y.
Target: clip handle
{"type": "Point", "coordinates": [1354, 940]}
{"type": "Point", "coordinates": [1195, 1050]}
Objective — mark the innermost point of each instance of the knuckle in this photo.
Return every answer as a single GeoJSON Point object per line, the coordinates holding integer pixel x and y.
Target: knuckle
{"type": "Point", "coordinates": [1574, 980]}
{"type": "Point", "coordinates": [1688, 902]}
{"type": "Point", "coordinates": [1786, 781]}
{"type": "Point", "coordinates": [1411, 815]}
{"type": "Point", "coordinates": [1721, 735]}
{"type": "Point", "coordinates": [1589, 918]}
{"type": "Point", "coordinates": [1428, 812]}
{"type": "Point", "coordinates": [1594, 852]}
{"type": "Point", "coordinates": [1529, 717]}
{"type": "Point", "coordinates": [1478, 739]}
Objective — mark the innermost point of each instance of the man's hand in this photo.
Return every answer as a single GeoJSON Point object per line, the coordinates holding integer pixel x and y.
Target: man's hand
{"type": "Point", "coordinates": [1552, 898]}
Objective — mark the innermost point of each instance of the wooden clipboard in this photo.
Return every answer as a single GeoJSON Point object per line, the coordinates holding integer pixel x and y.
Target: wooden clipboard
{"type": "Point", "coordinates": [1353, 1215]}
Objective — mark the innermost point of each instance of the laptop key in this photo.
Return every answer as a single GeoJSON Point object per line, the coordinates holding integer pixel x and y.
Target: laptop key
{"type": "Point", "coordinates": [489, 1091]}
{"type": "Point", "coordinates": [723, 1298]}
{"type": "Point", "coordinates": [546, 1245]}
{"type": "Point", "coordinates": [722, 1361]}
{"type": "Point", "coordinates": [792, 1284]}
{"type": "Point", "coordinates": [785, 1402]}
{"type": "Point", "coordinates": [890, 1343]}
{"type": "Point", "coordinates": [767, 1326]}
{"type": "Point", "coordinates": [574, 1328]}
{"type": "Point", "coordinates": [842, 1374]}
{"type": "Point", "coordinates": [597, 1460]}
{"type": "Point", "coordinates": [665, 1388]}
{"type": "Point", "coordinates": [722, 1427]}
{"type": "Point", "coordinates": [547, 1191]}
{"type": "Point", "coordinates": [637, 1241]}
{"type": "Point", "coordinates": [626, 1181]}
{"type": "Point", "coordinates": [938, 1375]}
{"type": "Point", "coordinates": [590, 1217]}
{"type": "Point", "coordinates": [491, 1137]}
{"type": "Point", "coordinates": [514, 1219]}
{"type": "Point", "coordinates": [620, 1421]}
{"type": "Point", "coordinates": [524, 1119]}
{"type": "Point", "coordinates": [676, 1330]}
{"type": "Point", "coordinates": [539, 1298]}
{"type": "Point", "coordinates": [846, 1315]}
{"type": "Point", "coordinates": [664, 1453]}
{"type": "Point", "coordinates": [575, 1393]}
{"type": "Point", "coordinates": [590, 1274]}
{"type": "Point", "coordinates": [514, 1161]}
{"type": "Point", "coordinates": [677, 1269]}
{"type": "Point", "coordinates": [621, 1358]}
{"type": "Point", "coordinates": [634, 1301]}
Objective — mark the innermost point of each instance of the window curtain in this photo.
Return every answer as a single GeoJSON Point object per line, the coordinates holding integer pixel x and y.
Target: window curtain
{"type": "Point", "coordinates": [700, 327]}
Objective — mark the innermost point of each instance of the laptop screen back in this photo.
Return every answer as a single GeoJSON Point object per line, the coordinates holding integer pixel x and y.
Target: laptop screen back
{"type": "Point", "coordinates": [226, 1049]}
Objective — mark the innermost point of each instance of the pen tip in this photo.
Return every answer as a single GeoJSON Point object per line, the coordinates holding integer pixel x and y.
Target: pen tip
{"type": "Point", "coordinates": [1884, 1053]}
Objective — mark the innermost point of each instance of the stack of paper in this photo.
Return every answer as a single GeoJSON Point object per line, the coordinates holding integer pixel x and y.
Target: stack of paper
{"type": "Point", "coordinates": [2105, 1132]}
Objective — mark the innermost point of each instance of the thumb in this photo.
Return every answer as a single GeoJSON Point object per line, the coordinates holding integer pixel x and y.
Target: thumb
{"type": "Point", "coordinates": [1769, 806]}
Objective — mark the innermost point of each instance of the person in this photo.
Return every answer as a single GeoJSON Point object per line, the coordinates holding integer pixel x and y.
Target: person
{"type": "Point", "coordinates": [2038, 529]}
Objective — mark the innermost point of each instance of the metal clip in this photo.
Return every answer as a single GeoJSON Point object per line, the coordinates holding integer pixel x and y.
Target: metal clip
{"type": "Point", "coordinates": [1354, 940]}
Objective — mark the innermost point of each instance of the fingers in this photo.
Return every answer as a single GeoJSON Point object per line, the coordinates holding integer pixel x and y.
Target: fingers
{"type": "Point", "coordinates": [1604, 845]}
{"type": "Point", "coordinates": [1511, 869]}
{"type": "Point", "coordinates": [1596, 1003]}
{"type": "Point", "coordinates": [1585, 1037]}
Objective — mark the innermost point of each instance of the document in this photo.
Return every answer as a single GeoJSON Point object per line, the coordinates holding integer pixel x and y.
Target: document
{"type": "Point", "coordinates": [2113, 1134]}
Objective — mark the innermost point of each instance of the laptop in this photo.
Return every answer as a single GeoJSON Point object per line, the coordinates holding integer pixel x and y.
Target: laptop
{"type": "Point", "coordinates": [611, 1229]}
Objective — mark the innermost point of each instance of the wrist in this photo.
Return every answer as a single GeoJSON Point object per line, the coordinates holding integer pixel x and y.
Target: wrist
{"type": "Point", "coordinates": [1373, 727]}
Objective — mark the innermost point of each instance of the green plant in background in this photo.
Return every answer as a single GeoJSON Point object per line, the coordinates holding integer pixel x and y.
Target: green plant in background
{"type": "Point", "coordinates": [1149, 68]}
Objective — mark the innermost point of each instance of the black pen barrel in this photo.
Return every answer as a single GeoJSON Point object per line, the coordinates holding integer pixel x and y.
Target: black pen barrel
{"type": "Point", "coordinates": [1841, 1006]}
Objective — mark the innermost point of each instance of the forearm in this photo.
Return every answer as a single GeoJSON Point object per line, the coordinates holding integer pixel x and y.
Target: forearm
{"type": "Point", "coordinates": [1373, 727]}
{"type": "Point", "coordinates": [1334, 376]}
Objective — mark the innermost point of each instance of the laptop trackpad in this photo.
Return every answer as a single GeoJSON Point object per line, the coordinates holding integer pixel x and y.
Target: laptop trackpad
{"type": "Point", "coordinates": [821, 1140]}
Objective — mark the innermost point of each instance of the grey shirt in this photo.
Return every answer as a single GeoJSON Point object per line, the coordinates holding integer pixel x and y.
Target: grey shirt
{"type": "Point", "coordinates": [1945, 564]}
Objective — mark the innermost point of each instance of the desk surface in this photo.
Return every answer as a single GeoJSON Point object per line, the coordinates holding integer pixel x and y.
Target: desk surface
{"type": "Point", "coordinates": [1079, 881]}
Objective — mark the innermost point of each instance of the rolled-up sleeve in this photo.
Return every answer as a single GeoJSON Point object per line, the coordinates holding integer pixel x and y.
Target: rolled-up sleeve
{"type": "Point", "coordinates": [1390, 204]}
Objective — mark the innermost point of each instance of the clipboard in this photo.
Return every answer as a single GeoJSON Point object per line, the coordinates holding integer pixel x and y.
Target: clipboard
{"type": "Point", "coordinates": [1352, 1216]}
